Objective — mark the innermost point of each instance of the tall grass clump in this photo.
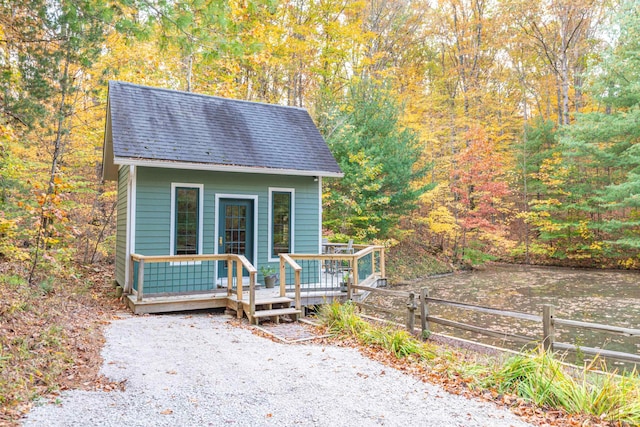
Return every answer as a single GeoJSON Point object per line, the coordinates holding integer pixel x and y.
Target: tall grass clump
{"type": "Point", "coordinates": [546, 381]}
{"type": "Point", "coordinates": [343, 319]}
{"type": "Point", "coordinates": [398, 341]}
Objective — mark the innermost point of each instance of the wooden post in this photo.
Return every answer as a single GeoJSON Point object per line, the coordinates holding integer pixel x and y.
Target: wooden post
{"type": "Point", "coordinates": [382, 272]}
{"type": "Point", "coordinates": [252, 295]}
{"type": "Point", "coordinates": [411, 312]}
{"type": "Point", "coordinates": [129, 283]}
{"type": "Point", "coordinates": [283, 278]}
{"type": "Point", "coordinates": [548, 327]}
{"type": "Point", "coordinates": [297, 296]}
{"type": "Point", "coordinates": [354, 270]}
{"type": "Point", "coordinates": [424, 312]}
{"type": "Point", "coordinates": [239, 279]}
{"type": "Point", "coordinates": [140, 278]}
{"type": "Point", "coordinates": [229, 276]}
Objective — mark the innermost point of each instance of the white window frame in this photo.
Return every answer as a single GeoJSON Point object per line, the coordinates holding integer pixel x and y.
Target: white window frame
{"type": "Point", "coordinates": [172, 227]}
{"type": "Point", "coordinates": [292, 192]}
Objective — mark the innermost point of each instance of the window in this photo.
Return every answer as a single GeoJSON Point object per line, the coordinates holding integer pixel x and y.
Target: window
{"type": "Point", "coordinates": [186, 214]}
{"type": "Point", "coordinates": [281, 231]}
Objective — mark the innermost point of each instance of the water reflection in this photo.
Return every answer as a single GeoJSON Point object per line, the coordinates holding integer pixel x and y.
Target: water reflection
{"type": "Point", "coordinates": [608, 297]}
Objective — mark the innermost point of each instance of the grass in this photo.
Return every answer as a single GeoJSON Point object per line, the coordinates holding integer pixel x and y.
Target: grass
{"type": "Point", "coordinates": [546, 381]}
{"type": "Point", "coordinates": [343, 319]}
{"type": "Point", "coordinates": [536, 377]}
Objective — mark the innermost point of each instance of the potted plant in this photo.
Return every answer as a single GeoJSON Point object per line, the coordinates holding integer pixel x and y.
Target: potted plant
{"type": "Point", "coordinates": [344, 282]}
{"type": "Point", "coordinates": [269, 274]}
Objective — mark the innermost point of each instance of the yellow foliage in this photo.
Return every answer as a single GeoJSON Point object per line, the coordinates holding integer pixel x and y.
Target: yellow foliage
{"type": "Point", "coordinates": [583, 229]}
{"type": "Point", "coordinates": [441, 221]}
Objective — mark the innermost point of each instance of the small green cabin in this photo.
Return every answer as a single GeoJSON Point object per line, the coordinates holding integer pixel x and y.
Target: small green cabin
{"type": "Point", "coordinates": [202, 175]}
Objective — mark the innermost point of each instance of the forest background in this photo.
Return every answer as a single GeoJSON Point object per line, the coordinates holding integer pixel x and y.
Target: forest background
{"type": "Point", "coordinates": [478, 129]}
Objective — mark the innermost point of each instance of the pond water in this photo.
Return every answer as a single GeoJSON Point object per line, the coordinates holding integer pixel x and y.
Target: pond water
{"type": "Point", "coordinates": [600, 296]}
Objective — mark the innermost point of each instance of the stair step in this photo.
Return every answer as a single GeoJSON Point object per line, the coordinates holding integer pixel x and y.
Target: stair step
{"type": "Point", "coordinates": [276, 312]}
{"type": "Point", "coordinates": [272, 300]}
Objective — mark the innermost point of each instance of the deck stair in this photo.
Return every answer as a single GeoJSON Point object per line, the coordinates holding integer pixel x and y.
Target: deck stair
{"type": "Point", "coordinates": [273, 308]}
{"type": "Point", "coordinates": [268, 306]}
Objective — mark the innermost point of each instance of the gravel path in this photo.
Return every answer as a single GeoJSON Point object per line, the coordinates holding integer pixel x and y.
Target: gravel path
{"type": "Point", "coordinates": [200, 371]}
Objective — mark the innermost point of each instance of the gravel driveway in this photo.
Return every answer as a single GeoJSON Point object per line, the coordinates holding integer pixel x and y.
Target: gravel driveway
{"type": "Point", "coordinates": [184, 370]}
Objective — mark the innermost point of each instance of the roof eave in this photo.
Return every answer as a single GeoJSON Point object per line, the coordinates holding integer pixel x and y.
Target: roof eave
{"type": "Point", "coordinates": [109, 169]}
{"type": "Point", "coordinates": [222, 168]}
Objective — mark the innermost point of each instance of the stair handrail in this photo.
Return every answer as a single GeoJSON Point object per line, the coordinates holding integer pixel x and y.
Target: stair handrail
{"type": "Point", "coordinates": [286, 259]}
{"type": "Point", "coordinates": [364, 252]}
{"type": "Point", "coordinates": [241, 259]}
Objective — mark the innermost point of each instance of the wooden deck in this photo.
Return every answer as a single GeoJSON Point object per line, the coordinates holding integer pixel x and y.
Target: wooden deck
{"type": "Point", "coordinates": [220, 299]}
{"type": "Point", "coordinates": [167, 304]}
{"type": "Point", "coordinates": [305, 280]}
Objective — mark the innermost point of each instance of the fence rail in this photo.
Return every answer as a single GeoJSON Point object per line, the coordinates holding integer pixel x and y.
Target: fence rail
{"type": "Point", "coordinates": [548, 320]}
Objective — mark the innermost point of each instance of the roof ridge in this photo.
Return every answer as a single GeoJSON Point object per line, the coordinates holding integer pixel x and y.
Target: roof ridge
{"type": "Point", "coordinates": [202, 95]}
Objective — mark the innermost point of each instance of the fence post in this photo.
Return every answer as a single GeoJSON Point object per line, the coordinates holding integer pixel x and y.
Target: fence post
{"type": "Point", "coordinates": [128, 288]}
{"type": "Point", "coordinates": [548, 327]}
{"type": "Point", "coordinates": [411, 312]}
{"type": "Point", "coordinates": [424, 312]}
{"type": "Point", "coordinates": [140, 279]}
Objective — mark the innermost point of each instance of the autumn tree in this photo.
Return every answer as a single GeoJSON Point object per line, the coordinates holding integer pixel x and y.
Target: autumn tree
{"type": "Point", "coordinates": [379, 159]}
{"type": "Point", "coordinates": [606, 142]}
{"type": "Point", "coordinates": [52, 46]}
{"type": "Point", "coordinates": [483, 209]}
{"type": "Point", "coordinates": [561, 31]}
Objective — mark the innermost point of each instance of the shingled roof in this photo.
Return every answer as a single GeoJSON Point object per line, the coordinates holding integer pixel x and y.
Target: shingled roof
{"type": "Point", "coordinates": [165, 128]}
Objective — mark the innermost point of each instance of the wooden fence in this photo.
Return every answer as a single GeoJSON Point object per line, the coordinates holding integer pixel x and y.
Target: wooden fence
{"type": "Point", "coordinates": [418, 307]}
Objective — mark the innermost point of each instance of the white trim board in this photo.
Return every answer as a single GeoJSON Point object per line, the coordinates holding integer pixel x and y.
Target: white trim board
{"type": "Point", "coordinates": [222, 168]}
{"type": "Point", "coordinates": [320, 213]}
{"type": "Point", "coordinates": [292, 192]}
{"type": "Point", "coordinates": [130, 227]}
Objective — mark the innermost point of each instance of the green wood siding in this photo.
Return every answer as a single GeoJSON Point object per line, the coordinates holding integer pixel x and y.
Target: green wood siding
{"type": "Point", "coordinates": [121, 225]}
{"type": "Point", "coordinates": [153, 218]}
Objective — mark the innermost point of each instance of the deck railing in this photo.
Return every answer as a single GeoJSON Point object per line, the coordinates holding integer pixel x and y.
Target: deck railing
{"type": "Point", "coordinates": [314, 276]}
{"type": "Point", "coordinates": [287, 261]}
{"type": "Point", "coordinates": [332, 273]}
{"type": "Point", "coordinates": [184, 274]}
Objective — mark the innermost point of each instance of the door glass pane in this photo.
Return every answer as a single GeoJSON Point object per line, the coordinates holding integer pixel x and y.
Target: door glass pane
{"type": "Point", "coordinates": [281, 226]}
{"type": "Point", "coordinates": [186, 221]}
{"type": "Point", "coordinates": [235, 229]}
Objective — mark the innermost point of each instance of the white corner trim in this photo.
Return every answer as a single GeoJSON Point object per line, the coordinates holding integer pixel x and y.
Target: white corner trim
{"type": "Point", "coordinates": [172, 226]}
{"type": "Point", "coordinates": [291, 191]}
{"type": "Point", "coordinates": [320, 215]}
{"type": "Point", "coordinates": [133, 172]}
{"type": "Point", "coordinates": [129, 226]}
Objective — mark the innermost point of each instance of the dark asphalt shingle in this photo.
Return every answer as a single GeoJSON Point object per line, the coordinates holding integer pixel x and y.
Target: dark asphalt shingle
{"type": "Point", "coordinates": [158, 124]}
